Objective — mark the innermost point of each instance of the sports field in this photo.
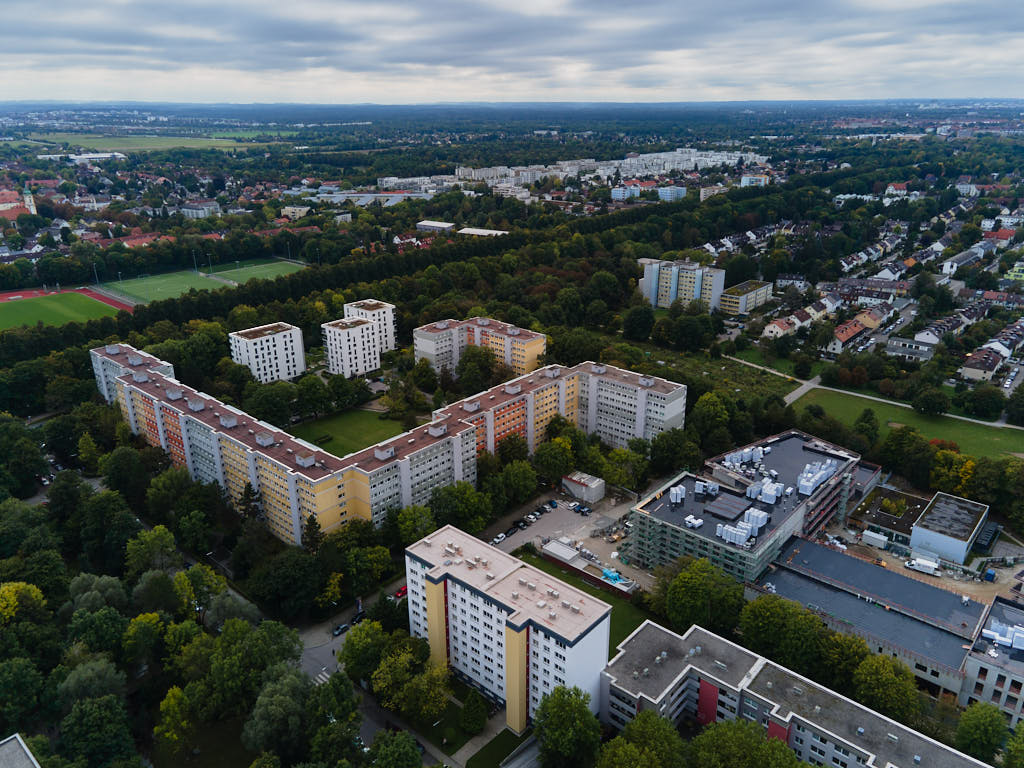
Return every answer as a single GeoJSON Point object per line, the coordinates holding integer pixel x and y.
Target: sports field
{"type": "Point", "coordinates": [974, 439]}
{"type": "Point", "coordinates": [251, 270]}
{"type": "Point", "coordinates": [165, 286]}
{"type": "Point", "coordinates": [104, 143]}
{"type": "Point", "coordinates": [52, 310]}
{"type": "Point", "coordinates": [346, 432]}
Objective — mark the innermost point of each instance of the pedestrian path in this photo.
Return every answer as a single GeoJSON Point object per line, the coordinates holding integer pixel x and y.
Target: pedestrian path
{"type": "Point", "coordinates": [322, 678]}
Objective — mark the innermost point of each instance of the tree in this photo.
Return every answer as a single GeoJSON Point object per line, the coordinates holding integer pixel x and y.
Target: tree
{"type": "Point", "coordinates": [473, 717]}
{"type": "Point", "coordinates": [672, 450]}
{"type": "Point", "coordinates": [155, 593]}
{"type": "Point", "coordinates": [166, 492]}
{"type": "Point", "coordinates": [461, 505]}
{"type": "Point", "coordinates": [842, 655]}
{"type": "Point", "coordinates": [226, 606]}
{"type": "Point", "coordinates": [193, 530]}
{"type": "Point", "coordinates": [638, 322]}
{"type": "Point", "coordinates": [1013, 753]}
{"type": "Point", "coordinates": [619, 753]}
{"type": "Point", "coordinates": [278, 721]}
{"type": "Point", "coordinates": [20, 688]}
{"type": "Point", "coordinates": [553, 460]}
{"type": "Point", "coordinates": [175, 726]}
{"type": "Point", "coordinates": [288, 584]}
{"type": "Point", "coordinates": [423, 375]}
{"type": "Point", "coordinates": [312, 397]}
{"type": "Point", "coordinates": [656, 738]}
{"type": "Point", "coordinates": [312, 535]}
{"type": "Point", "coordinates": [123, 472]}
{"type": "Point", "coordinates": [97, 730]}
{"type": "Point", "coordinates": [415, 522]}
{"type": "Point", "coordinates": [425, 696]}
{"type": "Point", "coordinates": [702, 594]}
{"type": "Point", "coordinates": [931, 402]}
{"type": "Point", "coordinates": [867, 426]}
{"type": "Point", "coordinates": [142, 638]}
{"type": "Point", "coordinates": [150, 550]}
{"type": "Point", "coordinates": [566, 730]}
{"type": "Point", "coordinates": [195, 589]}
{"type": "Point", "coordinates": [362, 650]}
{"type": "Point", "coordinates": [982, 728]}
{"type": "Point", "coordinates": [393, 749]}
{"type": "Point", "coordinates": [513, 448]}
{"type": "Point", "coordinates": [886, 684]}
{"type": "Point", "coordinates": [1015, 408]}
{"type": "Point", "coordinates": [739, 744]}
{"type": "Point", "coordinates": [519, 481]}
{"type": "Point", "coordinates": [88, 454]}
{"type": "Point", "coordinates": [391, 678]}
{"type": "Point", "coordinates": [91, 680]}
{"type": "Point", "coordinates": [101, 631]}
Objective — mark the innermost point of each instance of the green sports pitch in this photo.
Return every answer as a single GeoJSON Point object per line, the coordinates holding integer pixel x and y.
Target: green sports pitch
{"type": "Point", "coordinates": [52, 310]}
{"type": "Point", "coordinates": [166, 286]}
{"type": "Point", "coordinates": [267, 270]}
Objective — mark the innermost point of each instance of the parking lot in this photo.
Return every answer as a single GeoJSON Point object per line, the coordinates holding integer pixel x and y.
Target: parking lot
{"type": "Point", "coordinates": [562, 521]}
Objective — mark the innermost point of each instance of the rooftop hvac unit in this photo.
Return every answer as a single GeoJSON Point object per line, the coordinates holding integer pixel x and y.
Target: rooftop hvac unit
{"type": "Point", "coordinates": [699, 487]}
{"type": "Point", "coordinates": [566, 603]}
{"type": "Point", "coordinates": [541, 603]}
{"type": "Point", "coordinates": [757, 454]}
{"type": "Point", "coordinates": [515, 595]}
{"type": "Point", "coordinates": [531, 586]}
{"type": "Point", "coordinates": [522, 581]}
{"type": "Point", "coordinates": [747, 455]}
{"type": "Point", "coordinates": [712, 488]}
{"type": "Point", "coordinates": [574, 608]}
{"type": "Point", "coordinates": [552, 615]}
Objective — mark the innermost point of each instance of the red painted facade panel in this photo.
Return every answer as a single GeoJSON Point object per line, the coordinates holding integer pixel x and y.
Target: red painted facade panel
{"type": "Point", "coordinates": [707, 703]}
{"type": "Point", "coordinates": [776, 731]}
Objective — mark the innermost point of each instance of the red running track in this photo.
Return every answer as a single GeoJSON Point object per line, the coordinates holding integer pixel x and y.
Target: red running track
{"type": "Point", "coordinates": [31, 293]}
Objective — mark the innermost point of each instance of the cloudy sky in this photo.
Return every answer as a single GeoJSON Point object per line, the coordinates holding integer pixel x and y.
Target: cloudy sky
{"type": "Point", "coordinates": [400, 51]}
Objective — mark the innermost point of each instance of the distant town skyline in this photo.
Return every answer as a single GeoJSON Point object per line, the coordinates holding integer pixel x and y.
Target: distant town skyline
{"type": "Point", "coordinates": [397, 51]}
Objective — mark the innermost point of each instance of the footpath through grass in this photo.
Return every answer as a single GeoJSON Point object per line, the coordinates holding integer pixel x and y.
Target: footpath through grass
{"type": "Point", "coordinates": [347, 432]}
{"type": "Point", "coordinates": [974, 439]}
{"type": "Point", "coordinates": [780, 364]}
{"type": "Point", "coordinates": [57, 309]}
{"type": "Point", "coordinates": [625, 616]}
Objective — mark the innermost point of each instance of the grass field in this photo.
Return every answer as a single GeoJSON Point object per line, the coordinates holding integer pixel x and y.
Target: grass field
{"type": "Point", "coordinates": [252, 270]}
{"type": "Point", "coordinates": [347, 431]}
{"type": "Point", "coordinates": [973, 439]}
{"type": "Point", "coordinates": [497, 749]}
{"type": "Point", "coordinates": [779, 364]}
{"type": "Point", "coordinates": [625, 616]}
{"type": "Point", "coordinates": [102, 143]}
{"type": "Point", "coordinates": [52, 310]}
{"type": "Point", "coordinates": [165, 286]}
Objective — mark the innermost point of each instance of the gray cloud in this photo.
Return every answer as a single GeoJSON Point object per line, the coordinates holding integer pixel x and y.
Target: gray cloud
{"type": "Point", "coordinates": [400, 50]}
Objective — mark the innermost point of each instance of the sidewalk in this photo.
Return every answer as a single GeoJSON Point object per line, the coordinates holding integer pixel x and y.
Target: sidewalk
{"type": "Point", "coordinates": [495, 725]}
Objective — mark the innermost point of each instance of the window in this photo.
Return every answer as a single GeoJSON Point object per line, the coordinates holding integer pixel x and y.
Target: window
{"type": "Point", "coordinates": [1000, 681]}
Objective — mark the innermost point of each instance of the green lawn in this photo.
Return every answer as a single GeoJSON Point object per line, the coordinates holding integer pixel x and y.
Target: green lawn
{"type": "Point", "coordinates": [497, 749]}
{"type": "Point", "coordinates": [434, 732]}
{"type": "Point", "coordinates": [625, 616]}
{"type": "Point", "coordinates": [782, 365]}
{"type": "Point", "coordinates": [974, 439]}
{"type": "Point", "coordinates": [168, 286]}
{"type": "Point", "coordinates": [52, 310]}
{"type": "Point", "coordinates": [106, 143]}
{"type": "Point", "coordinates": [346, 432]}
{"type": "Point", "coordinates": [250, 270]}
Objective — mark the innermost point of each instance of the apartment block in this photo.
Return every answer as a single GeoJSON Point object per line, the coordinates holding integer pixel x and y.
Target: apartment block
{"type": "Point", "coordinates": [221, 444]}
{"type": "Point", "coordinates": [750, 502]}
{"type": "Point", "coordinates": [382, 315]}
{"type": "Point", "coordinates": [702, 676]}
{"type": "Point", "coordinates": [503, 626]}
{"type": "Point", "coordinates": [352, 346]}
{"type": "Point", "coordinates": [666, 281]}
{"type": "Point", "coordinates": [114, 360]}
{"type": "Point", "coordinates": [273, 352]}
{"type": "Point", "coordinates": [443, 342]}
{"type": "Point", "coordinates": [746, 297]}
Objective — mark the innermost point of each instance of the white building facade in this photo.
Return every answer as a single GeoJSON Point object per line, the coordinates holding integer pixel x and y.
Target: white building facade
{"type": "Point", "coordinates": [273, 352]}
{"type": "Point", "coordinates": [352, 346]}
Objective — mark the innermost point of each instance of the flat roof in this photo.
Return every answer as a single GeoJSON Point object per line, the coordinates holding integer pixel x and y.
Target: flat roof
{"type": "Point", "coordinates": [1008, 614]}
{"type": "Point", "coordinates": [892, 627]}
{"type": "Point", "coordinates": [889, 588]}
{"type": "Point", "coordinates": [872, 514]}
{"type": "Point", "coordinates": [747, 286]}
{"type": "Point", "coordinates": [347, 323]}
{"type": "Point", "coordinates": [432, 223]}
{"type": "Point", "coordinates": [482, 232]}
{"type": "Point", "coordinates": [952, 516]}
{"type": "Point", "coordinates": [282, 447]}
{"type": "Point", "coordinates": [405, 444]}
{"type": "Point", "coordinates": [264, 330]}
{"type": "Point", "coordinates": [725, 508]}
{"type": "Point", "coordinates": [453, 553]}
{"type": "Point", "coordinates": [790, 452]}
{"type": "Point", "coordinates": [890, 742]}
{"type": "Point", "coordinates": [637, 654]}
{"type": "Point", "coordinates": [124, 353]}
{"type": "Point", "coordinates": [370, 305]}
{"type": "Point", "coordinates": [14, 753]}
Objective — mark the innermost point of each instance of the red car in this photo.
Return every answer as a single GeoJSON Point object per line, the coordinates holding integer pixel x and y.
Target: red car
{"type": "Point", "coordinates": [402, 592]}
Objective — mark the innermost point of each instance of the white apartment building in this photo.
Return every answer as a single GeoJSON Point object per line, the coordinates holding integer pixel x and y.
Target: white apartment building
{"type": "Point", "coordinates": [619, 405]}
{"type": "Point", "coordinates": [666, 281]}
{"type": "Point", "coordinates": [273, 352]}
{"type": "Point", "coordinates": [382, 315]}
{"type": "Point", "coordinates": [352, 346]}
{"type": "Point", "coordinates": [115, 360]}
{"type": "Point", "coordinates": [505, 627]}
{"type": "Point", "coordinates": [443, 342]}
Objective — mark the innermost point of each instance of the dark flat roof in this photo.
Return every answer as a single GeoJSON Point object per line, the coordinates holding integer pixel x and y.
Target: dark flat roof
{"type": "Point", "coordinates": [725, 508]}
{"type": "Point", "coordinates": [893, 627]}
{"type": "Point", "coordinates": [873, 514]}
{"type": "Point", "coordinates": [952, 516]}
{"type": "Point", "coordinates": [791, 452]}
{"type": "Point", "coordinates": [931, 604]}
{"type": "Point", "coordinates": [1011, 659]}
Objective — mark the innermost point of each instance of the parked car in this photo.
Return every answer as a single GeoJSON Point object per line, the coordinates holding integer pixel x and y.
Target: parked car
{"type": "Point", "coordinates": [401, 592]}
{"type": "Point", "coordinates": [341, 629]}
{"type": "Point", "coordinates": [521, 525]}
{"type": "Point", "coordinates": [511, 531]}
{"type": "Point", "coordinates": [531, 519]}
{"type": "Point", "coordinates": [553, 504]}
{"type": "Point", "coordinates": [358, 618]}
{"type": "Point", "coordinates": [497, 539]}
